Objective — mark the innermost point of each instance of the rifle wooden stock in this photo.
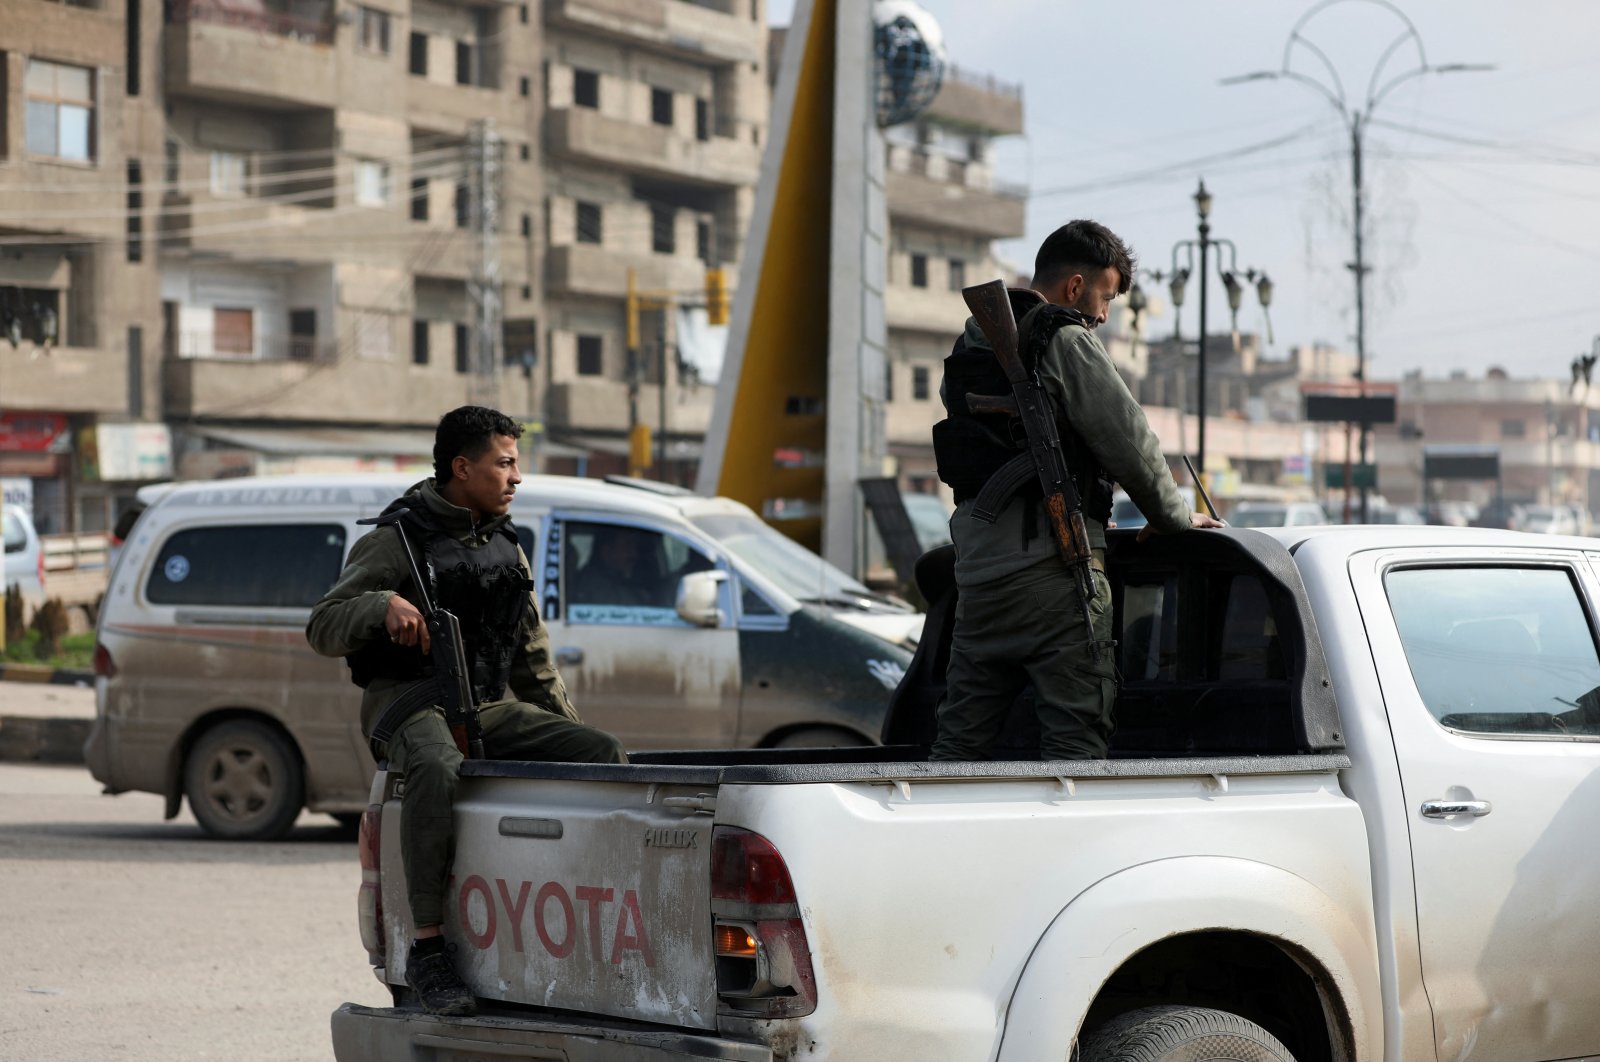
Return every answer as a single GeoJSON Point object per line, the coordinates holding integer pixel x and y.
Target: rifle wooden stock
{"type": "Point", "coordinates": [991, 308]}
{"type": "Point", "coordinates": [1006, 404]}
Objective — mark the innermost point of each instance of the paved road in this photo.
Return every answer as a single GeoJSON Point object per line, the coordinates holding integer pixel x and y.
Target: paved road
{"type": "Point", "coordinates": [131, 938]}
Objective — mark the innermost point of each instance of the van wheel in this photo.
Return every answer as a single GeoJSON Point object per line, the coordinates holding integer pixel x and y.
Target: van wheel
{"type": "Point", "coordinates": [244, 781]}
{"type": "Point", "coordinates": [820, 737]}
{"type": "Point", "coordinates": [1181, 1034]}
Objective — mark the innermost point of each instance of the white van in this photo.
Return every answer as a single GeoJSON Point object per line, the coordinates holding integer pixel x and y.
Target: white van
{"type": "Point", "coordinates": [206, 687]}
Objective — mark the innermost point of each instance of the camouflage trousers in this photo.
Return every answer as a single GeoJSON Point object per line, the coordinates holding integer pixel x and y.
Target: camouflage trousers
{"type": "Point", "coordinates": [1029, 628]}
{"type": "Point", "coordinates": [423, 750]}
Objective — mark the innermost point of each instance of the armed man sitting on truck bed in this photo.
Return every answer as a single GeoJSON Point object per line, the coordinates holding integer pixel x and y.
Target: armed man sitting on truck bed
{"type": "Point", "coordinates": [1034, 604]}
{"type": "Point", "coordinates": [456, 528]}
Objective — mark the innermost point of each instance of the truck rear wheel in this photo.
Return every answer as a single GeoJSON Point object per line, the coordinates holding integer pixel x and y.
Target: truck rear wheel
{"type": "Point", "coordinates": [1182, 1034]}
{"type": "Point", "coordinates": [244, 781]}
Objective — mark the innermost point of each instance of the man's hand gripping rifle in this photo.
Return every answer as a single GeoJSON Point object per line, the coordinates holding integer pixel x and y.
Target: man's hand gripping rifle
{"type": "Point", "coordinates": [446, 652]}
{"type": "Point", "coordinates": [991, 308]}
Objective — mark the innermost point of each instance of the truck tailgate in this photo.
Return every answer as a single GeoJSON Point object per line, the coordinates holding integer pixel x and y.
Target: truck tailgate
{"type": "Point", "coordinates": [594, 897]}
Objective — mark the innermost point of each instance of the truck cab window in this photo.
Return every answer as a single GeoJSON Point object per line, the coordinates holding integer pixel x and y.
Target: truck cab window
{"type": "Point", "coordinates": [1499, 651]}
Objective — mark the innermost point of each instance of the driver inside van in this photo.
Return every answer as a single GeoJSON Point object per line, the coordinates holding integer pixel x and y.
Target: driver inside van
{"type": "Point", "coordinates": [617, 572]}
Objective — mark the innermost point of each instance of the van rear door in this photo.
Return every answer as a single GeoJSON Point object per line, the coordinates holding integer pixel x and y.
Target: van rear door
{"type": "Point", "coordinates": [591, 897]}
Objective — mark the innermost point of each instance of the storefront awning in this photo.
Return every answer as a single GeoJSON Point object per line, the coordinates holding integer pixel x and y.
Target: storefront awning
{"type": "Point", "coordinates": [323, 442]}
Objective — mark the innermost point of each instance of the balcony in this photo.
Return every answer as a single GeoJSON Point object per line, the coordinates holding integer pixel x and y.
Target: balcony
{"type": "Point", "coordinates": [342, 389]}
{"type": "Point", "coordinates": [674, 27]}
{"type": "Point", "coordinates": [654, 150]}
{"type": "Point", "coordinates": [924, 310]}
{"type": "Point", "coordinates": [453, 108]}
{"type": "Point", "coordinates": [584, 269]}
{"type": "Point", "coordinates": [996, 212]}
{"type": "Point", "coordinates": [64, 379]}
{"type": "Point", "coordinates": [251, 53]}
{"type": "Point", "coordinates": [978, 101]}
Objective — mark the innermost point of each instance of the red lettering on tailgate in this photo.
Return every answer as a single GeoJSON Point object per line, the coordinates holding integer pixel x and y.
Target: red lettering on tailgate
{"type": "Point", "coordinates": [478, 940]}
{"type": "Point", "coordinates": [626, 941]}
{"type": "Point", "coordinates": [514, 910]}
{"type": "Point", "coordinates": [548, 891]}
{"type": "Point", "coordinates": [593, 896]}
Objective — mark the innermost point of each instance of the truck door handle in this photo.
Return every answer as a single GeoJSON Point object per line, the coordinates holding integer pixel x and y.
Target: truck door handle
{"type": "Point", "coordinates": [569, 656]}
{"type": "Point", "coordinates": [1444, 809]}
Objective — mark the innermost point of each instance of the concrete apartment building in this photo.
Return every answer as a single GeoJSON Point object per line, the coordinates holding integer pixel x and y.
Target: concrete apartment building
{"type": "Point", "coordinates": [254, 222]}
{"type": "Point", "coordinates": [80, 139]}
{"type": "Point", "coordinates": [319, 183]}
{"type": "Point", "coordinates": [1547, 434]}
{"type": "Point", "coordinates": [947, 207]}
{"type": "Point", "coordinates": [657, 118]}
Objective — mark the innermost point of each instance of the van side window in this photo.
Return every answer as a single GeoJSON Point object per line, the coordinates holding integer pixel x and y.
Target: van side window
{"type": "Point", "coordinates": [1499, 650]}
{"type": "Point", "coordinates": [616, 574]}
{"type": "Point", "coordinates": [262, 566]}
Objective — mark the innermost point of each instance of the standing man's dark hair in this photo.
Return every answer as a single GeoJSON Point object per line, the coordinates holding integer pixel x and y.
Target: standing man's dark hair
{"type": "Point", "coordinates": [467, 431]}
{"type": "Point", "coordinates": [1082, 247]}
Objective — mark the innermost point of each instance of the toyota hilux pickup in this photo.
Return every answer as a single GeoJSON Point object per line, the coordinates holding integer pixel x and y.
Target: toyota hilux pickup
{"type": "Point", "coordinates": [1349, 814]}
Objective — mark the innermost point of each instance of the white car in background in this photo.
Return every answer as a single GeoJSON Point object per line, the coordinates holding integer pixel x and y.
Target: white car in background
{"type": "Point", "coordinates": [1548, 520]}
{"type": "Point", "coordinates": [1277, 514]}
{"type": "Point", "coordinates": [24, 558]}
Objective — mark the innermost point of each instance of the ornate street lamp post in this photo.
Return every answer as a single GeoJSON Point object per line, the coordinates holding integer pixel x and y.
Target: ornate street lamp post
{"type": "Point", "coordinates": [1196, 256]}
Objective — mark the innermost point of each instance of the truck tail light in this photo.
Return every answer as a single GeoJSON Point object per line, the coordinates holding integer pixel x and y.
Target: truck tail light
{"type": "Point", "coordinates": [41, 568]}
{"type": "Point", "coordinates": [369, 901]}
{"type": "Point", "coordinates": [104, 666]}
{"type": "Point", "coordinates": [762, 954]}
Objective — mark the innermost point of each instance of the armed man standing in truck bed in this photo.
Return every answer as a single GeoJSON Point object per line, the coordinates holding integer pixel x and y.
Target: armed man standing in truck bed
{"type": "Point", "coordinates": [1021, 615]}
{"type": "Point", "coordinates": [457, 526]}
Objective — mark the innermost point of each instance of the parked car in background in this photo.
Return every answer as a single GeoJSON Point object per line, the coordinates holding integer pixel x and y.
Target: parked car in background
{"type": "Point", "coordinates": [1548, 520]}
{"type": "Point", "coordinates": [1277, 514]}
{"type": "Point", "coordinates": [24, 559]}
{"type": "Point", "coordinates": [1395, 514]}
{"type": "Point", "coordinates": [206, 688]}
{"type": "Point", "coordinates": [1125, 514]}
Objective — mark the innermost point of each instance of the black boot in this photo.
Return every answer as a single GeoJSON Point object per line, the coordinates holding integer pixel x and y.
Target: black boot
{"type": "Point", "coordinates": [433, 977]}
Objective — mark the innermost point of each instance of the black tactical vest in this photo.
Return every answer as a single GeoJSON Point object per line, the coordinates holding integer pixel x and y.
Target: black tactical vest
{"type": "Point", "coordinates": [970, 447]}
{"type": "Point", "coordinates": [487, 590]}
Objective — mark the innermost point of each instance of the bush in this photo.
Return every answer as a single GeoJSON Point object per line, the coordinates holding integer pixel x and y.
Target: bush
{"type": "Point", "coordinates": [51, 624]}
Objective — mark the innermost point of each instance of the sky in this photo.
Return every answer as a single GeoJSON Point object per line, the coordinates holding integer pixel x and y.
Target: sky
{"type": "Point", "coordinates": [1482, 203]}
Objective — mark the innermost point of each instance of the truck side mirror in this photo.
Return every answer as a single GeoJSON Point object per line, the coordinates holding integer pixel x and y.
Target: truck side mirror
{"type": "Point", "coordinates": [698, 594]}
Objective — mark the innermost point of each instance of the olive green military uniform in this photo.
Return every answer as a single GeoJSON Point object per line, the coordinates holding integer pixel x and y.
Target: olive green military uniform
{"type": "Point", "coordinates": [1018, 615]}
{"type": "Point", "coordinates": [532, 720]}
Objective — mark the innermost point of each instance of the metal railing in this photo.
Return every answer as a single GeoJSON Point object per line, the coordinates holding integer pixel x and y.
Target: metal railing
{"type": "Point", "coordinates": [987, 82]}
{"type": "Point", "coordinates": [254, 15]}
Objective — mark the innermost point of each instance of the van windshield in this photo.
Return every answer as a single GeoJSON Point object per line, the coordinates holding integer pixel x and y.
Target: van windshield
{"type": "Point", "coordinates": [796, 570]}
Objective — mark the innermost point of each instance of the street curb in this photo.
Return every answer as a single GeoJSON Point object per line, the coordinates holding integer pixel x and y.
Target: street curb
{"type": "Point", "coordinates": [29, 739]}
{"type": "Point", "coordinates": [52, 676]}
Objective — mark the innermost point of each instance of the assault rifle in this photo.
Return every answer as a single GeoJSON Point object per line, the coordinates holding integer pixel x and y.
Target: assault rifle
{"type": "Point", "coordinates": [1043, 460]}
{"type": "Point", "coordinates": [447, 653]}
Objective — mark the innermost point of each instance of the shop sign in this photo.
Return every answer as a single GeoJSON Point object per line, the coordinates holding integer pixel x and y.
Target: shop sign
{"type": "Point", "coordinates": [125, 452]}
{"type": "Point", "coordinates": [35, 433]}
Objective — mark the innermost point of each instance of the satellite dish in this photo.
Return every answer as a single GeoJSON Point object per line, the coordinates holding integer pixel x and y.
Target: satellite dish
{"type": "Point", "coordinates": [911, 59]}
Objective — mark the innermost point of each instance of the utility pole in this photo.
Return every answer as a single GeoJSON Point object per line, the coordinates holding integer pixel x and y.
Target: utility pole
{"type": "Point", "coordinates": [483, 288]}
{"type": "Point", "coordinates": [1359, 267]}
{"type": "Point", "coordinates": [1356, 115]}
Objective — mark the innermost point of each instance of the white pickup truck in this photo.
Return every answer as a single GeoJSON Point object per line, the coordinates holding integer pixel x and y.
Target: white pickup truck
{"type": "Point", "coordinates": [1350, 814]}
